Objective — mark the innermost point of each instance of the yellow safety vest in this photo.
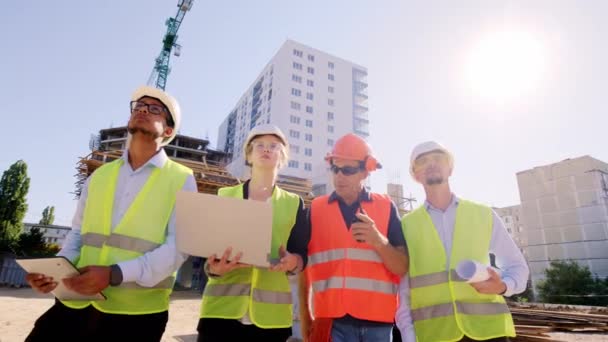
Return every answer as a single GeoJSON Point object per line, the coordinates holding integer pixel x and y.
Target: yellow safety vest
{"type": "Point", "coordinates": [142, 229]}
{"type": "Point", "coordinates": [265, 295]}
{"type": "Point", "coordinates": [444, 307]}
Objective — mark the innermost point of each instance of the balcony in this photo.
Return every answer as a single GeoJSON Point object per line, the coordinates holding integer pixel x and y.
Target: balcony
{"type": "Point", "coordinates": [360, 108]}
{"type": "Point", "coordinates": [363, 116]}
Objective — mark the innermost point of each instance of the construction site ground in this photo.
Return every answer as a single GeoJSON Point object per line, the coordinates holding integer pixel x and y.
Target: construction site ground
{"type": "Point", "coordinates": [21, 307]}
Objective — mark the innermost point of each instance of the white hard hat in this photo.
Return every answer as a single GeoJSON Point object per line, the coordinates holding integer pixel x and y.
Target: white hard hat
{"type": "Point", "coordinates": [169, 101]}
{"type": "Point", "coordinates": [426, 147]}
{"type": "Point", "coordinates": [264, 130]}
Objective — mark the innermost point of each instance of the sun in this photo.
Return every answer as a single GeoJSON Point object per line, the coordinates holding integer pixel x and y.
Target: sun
{"type": "Point", "coordinates": [505, 65]}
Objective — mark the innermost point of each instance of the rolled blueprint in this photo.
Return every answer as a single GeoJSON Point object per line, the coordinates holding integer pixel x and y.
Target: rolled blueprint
{"type": "Point", "coordinates": [472, 271]}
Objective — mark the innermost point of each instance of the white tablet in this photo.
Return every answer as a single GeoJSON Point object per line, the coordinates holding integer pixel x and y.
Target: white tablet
{"type": "Point", "coordinates": [58, 268]}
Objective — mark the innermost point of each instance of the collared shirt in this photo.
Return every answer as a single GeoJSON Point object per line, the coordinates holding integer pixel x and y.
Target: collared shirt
{"type": "Point", "coordinates": [513, 267]}
{"type": "Point", "coordinates": [394, 235]}
{"type": "Point", "coordinates": [154, 266]}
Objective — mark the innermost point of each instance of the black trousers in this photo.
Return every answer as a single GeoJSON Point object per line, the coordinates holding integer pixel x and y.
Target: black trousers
{"type": "Point", "coordinates": [61, 323]}
{"type": "Point", "coordinates": [223, 330]}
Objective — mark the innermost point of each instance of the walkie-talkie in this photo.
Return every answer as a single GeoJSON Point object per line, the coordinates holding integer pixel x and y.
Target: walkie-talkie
{"type": "Point", "coordinates": [356, 219]}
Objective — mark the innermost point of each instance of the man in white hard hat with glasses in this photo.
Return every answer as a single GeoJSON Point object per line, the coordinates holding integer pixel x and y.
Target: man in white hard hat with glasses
{"type": "Point", "coordinates": [123, 236]}
{"type": "Point", "coordinates": [440, 234]}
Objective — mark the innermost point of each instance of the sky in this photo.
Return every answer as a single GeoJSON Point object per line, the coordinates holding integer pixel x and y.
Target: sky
{"type": "Point", "coordinates": [505, 85]}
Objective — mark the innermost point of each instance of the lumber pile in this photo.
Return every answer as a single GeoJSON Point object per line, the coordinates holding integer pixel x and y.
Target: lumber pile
{"type": "Point", "coordinates": [532, 323]}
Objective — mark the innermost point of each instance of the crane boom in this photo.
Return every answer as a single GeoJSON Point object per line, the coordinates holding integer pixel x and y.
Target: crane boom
{"type": "Point", "coordinates": [161, 70]}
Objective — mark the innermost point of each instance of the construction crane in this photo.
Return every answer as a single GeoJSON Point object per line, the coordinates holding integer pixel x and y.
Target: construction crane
{"type": "Point", "coordinates": [158, 77]}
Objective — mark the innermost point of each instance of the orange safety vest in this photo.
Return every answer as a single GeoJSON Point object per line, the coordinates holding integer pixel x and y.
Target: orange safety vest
{"type": "Point", "coordinates": [349, 277]}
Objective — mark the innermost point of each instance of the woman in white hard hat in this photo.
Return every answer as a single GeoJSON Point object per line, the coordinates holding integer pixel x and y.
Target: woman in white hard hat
{"type": "Point", "coordinates": [243, 302]}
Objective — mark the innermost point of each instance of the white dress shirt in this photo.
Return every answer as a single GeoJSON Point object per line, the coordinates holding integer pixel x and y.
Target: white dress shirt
{"type": "Point", "coordinates": [153, 266]}
{"type": "Point", "coordinates": [513, 267]}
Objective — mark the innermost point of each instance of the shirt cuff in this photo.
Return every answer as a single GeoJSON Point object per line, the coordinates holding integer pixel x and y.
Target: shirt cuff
{"type": "Point", "coordinates": [510, 283]}
{"type": "Point", "coordinates": [130, 270]}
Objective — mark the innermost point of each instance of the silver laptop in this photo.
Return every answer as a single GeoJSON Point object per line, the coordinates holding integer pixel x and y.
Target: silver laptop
{"type": "Point", "coordinates": [208, 224]}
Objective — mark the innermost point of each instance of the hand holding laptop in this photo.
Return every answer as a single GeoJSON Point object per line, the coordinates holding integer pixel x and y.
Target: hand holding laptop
{"type": "Point", "coordinates": [219, 267]}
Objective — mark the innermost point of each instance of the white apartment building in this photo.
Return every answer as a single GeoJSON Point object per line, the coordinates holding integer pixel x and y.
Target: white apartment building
{"type": "Point", "coordinates": [51, 233]}
{"type": "Point", "coordinates": [313, 97]}
{"type": "Point", "coordinates": [564, 207]}
{"type": "Point", "coordinates": [512, 218]}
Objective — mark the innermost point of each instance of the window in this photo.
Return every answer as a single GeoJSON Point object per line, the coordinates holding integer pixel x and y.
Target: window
{"type": "Point", "coordinates": [330, 129]}
{"type": "Point", "coordinates": [330, 65]}
{"type": "Point", "coordinates": [295, 105]}
{"type": "Point", "coordinates": [308, 123]}
{"type": "Point", "coordinates": [296, 78]}
{"type": "Point", "coordinates": [295, 149]}
{"type": "Point", "coordinates": [330, 142]}
{"type": "Point", "coordinates": [310, 83]}
{"type": "Point", "coordinates": [297, 66]}
{"type": "Point", "coordinates": [308, 109]}
{"type": "Point", "coordinates": [308, 166]}
{"type": "Point", "coordinates": [311, 58]}
{"type": "Point", "coordinates": [329, 76]}
{"type": "Point", "coordinates": [293, 164]}
{"type": "Point", "coordinates": [298, 53]}
{"type": "Point", "coordinates": [309, 96]}
{"type": "Point", "coordinates": [330, 89]}
{"type": "Point", "coordinates": [294, 119]}
{"type": "Point", "coordinates": [296, 92]}
{"type": "Point", "coordinates": [330, 116]}
{"type": "Point", "coordinates": [311, 70]}
{"type": "Point", "coordinates": [294, 134]}
{"type": "Point", "coordinates": [308, 151]}
{"type": "Point", "coordinates": [330, 102]}
{"type": "Point", "coordinates": [308, 137]}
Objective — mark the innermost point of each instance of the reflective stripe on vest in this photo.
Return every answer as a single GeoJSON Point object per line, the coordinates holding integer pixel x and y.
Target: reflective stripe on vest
{"type": "Point", "coordinates": [433, 279]}
{"type": "Point", "coordinates": [119, 241]}
{"type": "Point", "coordinates": [141, 229]}
{"type": "Point", "coordinates": [447, 309]}
{"type": "Point", "coordinates": [355, 284]}
{"type": "Point", "coordinates": [344, 253]}
{"type": "Point", "coordinates": [262, 294]}
{"type": "Point", "coordinates": [443, 306]}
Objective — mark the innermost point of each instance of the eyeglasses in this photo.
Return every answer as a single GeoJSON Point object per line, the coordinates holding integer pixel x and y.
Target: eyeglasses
{"type": "Point", "coordinates": [270, 147]}
{"type": "Point", "coordinates": [152, 108]}
{"type": "Point", "coordinates": [425, 159]}
{"type": "Point", "coordinates": [346, 170]}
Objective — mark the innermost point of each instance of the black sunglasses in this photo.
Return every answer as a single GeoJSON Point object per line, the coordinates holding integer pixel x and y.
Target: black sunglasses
{"type": "Point", "coordinates": [346, 170]}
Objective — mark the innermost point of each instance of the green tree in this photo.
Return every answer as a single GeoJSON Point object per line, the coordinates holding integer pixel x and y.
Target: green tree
{"type": "Point", "coordinates": [31, 243]}
{"type": "Point", "coordinates": [566, 282]}
{"type": "Point", "coordinates": [48, 216]}
{"type": "Point", "coordinates": [14, 186]}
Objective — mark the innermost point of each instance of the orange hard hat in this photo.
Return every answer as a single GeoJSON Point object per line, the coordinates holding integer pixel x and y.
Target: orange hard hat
{"type": "Point", "coordinates": [353, 147]}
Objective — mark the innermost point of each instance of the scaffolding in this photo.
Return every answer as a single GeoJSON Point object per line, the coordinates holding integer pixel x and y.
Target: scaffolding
{"type": "Point", "coordinates": [209, 175]}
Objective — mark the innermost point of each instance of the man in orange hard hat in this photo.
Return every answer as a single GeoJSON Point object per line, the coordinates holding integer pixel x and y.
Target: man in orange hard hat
{"type": "Point", "coordinates": [356, 254]}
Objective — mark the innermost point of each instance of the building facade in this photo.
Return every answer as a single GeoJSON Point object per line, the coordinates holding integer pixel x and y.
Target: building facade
{"type": "Point", "coordinates": [314, 98]}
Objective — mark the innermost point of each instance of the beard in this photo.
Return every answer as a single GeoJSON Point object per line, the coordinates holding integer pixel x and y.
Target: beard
{"type": "Point", "coordinates": [434, 180]}
{"type": "Point", "coordinates": [145, 132]}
